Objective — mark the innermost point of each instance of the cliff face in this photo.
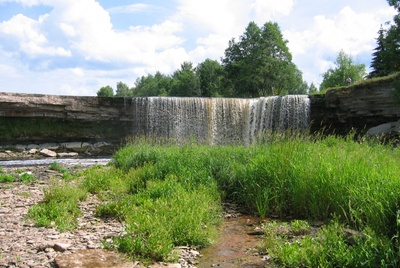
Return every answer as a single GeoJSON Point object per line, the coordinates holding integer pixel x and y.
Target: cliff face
{"type": "Point", "coordinates": [64, 107]}
{"type": "Point", "coordinates": [37, 118]}
{"type": "Point", "coordinates": [358, 107]}
{"type": "Point", "coordinates": [47, 118]}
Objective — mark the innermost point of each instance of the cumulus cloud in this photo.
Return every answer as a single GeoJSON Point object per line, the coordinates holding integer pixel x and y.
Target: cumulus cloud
{"type": "Point", "coordinates": [76, 45]}
{"type": "Point", "coordinates": [27, 34]}
{"type": "Point", "coordinates": [134, 8]}
{"type": "Point", "coordinates": [348, 30]}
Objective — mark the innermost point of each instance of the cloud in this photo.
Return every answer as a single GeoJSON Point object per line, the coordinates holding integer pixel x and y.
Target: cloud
{"type": "Point", "coordinates": [316, 47]}
{"type": "Point", "coordinates": [27, 35]}
{"type": "Point", "coordinates": [132, 9]}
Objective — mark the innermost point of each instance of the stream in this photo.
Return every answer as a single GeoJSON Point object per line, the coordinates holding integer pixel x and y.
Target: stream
{"type": "Point", "coordinates": [234, 247]}
{"type": "Point", "coordinates": [47, 161]}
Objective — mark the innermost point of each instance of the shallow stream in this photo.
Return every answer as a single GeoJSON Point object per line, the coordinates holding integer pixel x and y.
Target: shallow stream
{"type": "Point", "coordinates": [234, 246]}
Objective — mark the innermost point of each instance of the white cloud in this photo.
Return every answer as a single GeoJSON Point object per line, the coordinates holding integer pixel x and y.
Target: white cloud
{"type": "Point", "coordinates": [268, 9]}
{"type": "Point", "coordinates": [27, 33]}
{"type": "Point", "coordinates": [134, 8]}
{"type": "Point", "coordinates": [82, 32]}
{"type": "Point", "coordinates": [316, 48]}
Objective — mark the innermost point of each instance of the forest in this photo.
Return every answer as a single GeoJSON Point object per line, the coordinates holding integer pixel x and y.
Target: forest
{"type": "Point", "coordinates": [259, 64]}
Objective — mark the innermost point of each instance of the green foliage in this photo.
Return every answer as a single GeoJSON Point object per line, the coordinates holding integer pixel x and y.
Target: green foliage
{"type": "Point", "coordinates": [60, 207]}
{"type": "Point", "coordinates": [185, 83]}
{"type": "Point", "coordinates": [123, 90]}
{"type": "Point", "coordinates": [5, 178]}
{"type": "Point", "coordinates": [386, 56]}
{"type": "Point", "coordinates": [179, 216]}
{"type": "Point", "coordinates": [331, 248]}
{"type": "Point", "coordinates": [57, 167]}
{"type": "Point", "coordinates": [157, 85]}
{"type": "Point", "coordinates": [27, 178]}
{"type": "Point", "coordinates": [210, 73]}
{"type": "Point", "coordinates": [168, 196]}
{"type": "Point", "coordinates": [345, 69]}
{"type": "Point", "coordinates": [312, 89]}
{"type": "Point", "coordinates": [106, 91]}
{"type": "Point", "coordinates": [260, 63]}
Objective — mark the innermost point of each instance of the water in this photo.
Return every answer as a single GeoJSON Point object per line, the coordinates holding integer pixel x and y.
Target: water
{"type": "Point", "coordinates": [47, 161]}
{"type": "Point", "coordinates": [218, 120]}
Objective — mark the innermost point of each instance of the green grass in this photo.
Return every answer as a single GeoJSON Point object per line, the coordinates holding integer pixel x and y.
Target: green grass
{"type": "Point", "coordinates": [168, 196]}
{"type": "Point", "coordinates": [302, 178]}
{"type": "Point", "coordinates": [57, 167]}
{"type": "Point", "coordinates": [6, 178]}
{"type": "Point", "coordinates": [59, 207]}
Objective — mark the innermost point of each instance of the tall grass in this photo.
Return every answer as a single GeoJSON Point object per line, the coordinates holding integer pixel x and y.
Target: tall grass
{"type": "Point", "coordinates": [171, 195]}
{"type": "Point", "coordinates": [298, 177]}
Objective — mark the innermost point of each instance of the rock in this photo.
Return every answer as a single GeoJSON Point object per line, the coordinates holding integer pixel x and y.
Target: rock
{"type": "Point", "coordinates": [48, 153]}
{"type": "Point", "coordinates": [388, 133]}
{"type": "Point", "coordinates": [86, 258]}
{"type": "Point", "coordinates": [50, 146]}
{"type": "Point", "coordinates": [77, 146]}
{"type": "Point", "coordinates": [71, 154]}
{"type": "Point", "coordinates": [256, 231]}
{"type": "Point", "coordinates": [384, 129]}
{"type": "Point", "coordinates": [32, 146]}
{"type": "Point", "coordinates": [33, 151]}
{"type": "Point", "coordinates": [61, 247]}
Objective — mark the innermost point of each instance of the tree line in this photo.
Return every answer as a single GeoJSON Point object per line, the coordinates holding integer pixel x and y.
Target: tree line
{"type": "Point", "coordinates": [258, 64]}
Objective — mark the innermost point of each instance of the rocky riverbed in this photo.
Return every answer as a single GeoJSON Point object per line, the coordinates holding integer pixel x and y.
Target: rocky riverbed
{"type": "Point", "coordinates": [23, 244]}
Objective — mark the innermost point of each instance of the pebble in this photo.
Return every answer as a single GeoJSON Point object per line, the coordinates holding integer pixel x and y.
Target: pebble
{"type": "Point", "coordinates": [23, 244]}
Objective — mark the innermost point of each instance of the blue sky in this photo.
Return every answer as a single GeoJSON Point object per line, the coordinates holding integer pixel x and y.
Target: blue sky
{"type": "Point", "coordinates": [69, 47]}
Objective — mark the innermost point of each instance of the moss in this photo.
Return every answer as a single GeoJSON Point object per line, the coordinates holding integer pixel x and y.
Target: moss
{"type": "Point", "coordinates": [368, 83]}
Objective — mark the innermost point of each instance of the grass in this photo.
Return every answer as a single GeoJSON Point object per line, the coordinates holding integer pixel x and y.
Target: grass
{"type": "Point", "coordinates": [59, 207]}
{"type": "Point", "coordinates": [169, 196]}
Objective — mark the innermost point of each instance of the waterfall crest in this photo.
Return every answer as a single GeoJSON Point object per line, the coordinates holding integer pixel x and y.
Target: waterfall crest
{"type": "Point", "coordinates": [218, 120]}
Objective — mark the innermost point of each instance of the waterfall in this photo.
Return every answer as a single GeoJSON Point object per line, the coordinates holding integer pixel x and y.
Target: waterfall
{"type": "Point", "coordinates": [218, 120]}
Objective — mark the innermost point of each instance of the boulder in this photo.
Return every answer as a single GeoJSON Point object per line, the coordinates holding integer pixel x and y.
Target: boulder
{"type": "Point", "coordinates": [388, 133]}
{"type": "Point", "coordinates": [48, 153]}
{"type": "Point", "coordinates": [384, 129]}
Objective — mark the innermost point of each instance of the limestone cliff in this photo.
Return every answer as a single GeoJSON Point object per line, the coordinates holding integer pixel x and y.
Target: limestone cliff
{"type": "Point", "coordinates": [359, 107]}
{"type": "Point", "coordinates": [47, 118]}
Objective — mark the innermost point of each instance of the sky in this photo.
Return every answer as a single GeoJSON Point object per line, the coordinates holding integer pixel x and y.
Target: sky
{"type": "Point", "coordinates": [70, 47]}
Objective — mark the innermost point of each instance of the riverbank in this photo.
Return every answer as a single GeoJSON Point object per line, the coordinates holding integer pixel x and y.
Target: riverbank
{"type": "Point", "coordinates": [23, 244]}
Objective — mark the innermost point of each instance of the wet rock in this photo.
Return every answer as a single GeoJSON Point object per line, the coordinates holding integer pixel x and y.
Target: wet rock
{"type": "Point", "coordinates": [99, 258]}
{"type": "Point", "coordinates": [256, 231]}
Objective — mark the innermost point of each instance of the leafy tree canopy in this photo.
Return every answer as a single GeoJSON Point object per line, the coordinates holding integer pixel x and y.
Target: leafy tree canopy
{"type": "Point", "coordinates": [185, 83]}
{"type": "Point", "coordinates": [106, 91]}
{"type": "Point", "coordinates": [343, 73]}
{"type": "Point", "coordinates": [211, 75]}
{"type": "Point", "coordinates": [260, 63]}
{"type": "Point", "coordinates": [157, 85]}
{"type": "Point", "coordinates": [123, 90]}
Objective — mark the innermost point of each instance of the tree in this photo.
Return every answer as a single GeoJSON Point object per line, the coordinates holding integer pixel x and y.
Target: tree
{"type": "Point", "coordinates": [344, 72]}
{"type": "Point", "coordinates": [260, 63]}
{"type": "Point", "coordinates": [157, 85]}
{"type": "Point", "coordinates": [312, 89]}
{"type": "Point", "coordinates": [386, 56]}
{"type": "Point", "coordinates": [185, 83]}
{"type": "Point", "coordinates": [106, 91]}
{"type": "Point", "coordinates": [123, 90]}
{"type": "Point", "coordinates": [210, 75]}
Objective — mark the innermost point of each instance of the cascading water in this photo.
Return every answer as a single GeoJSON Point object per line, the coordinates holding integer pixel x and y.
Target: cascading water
{"type": "Point", "coordinates": [218, 120]}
